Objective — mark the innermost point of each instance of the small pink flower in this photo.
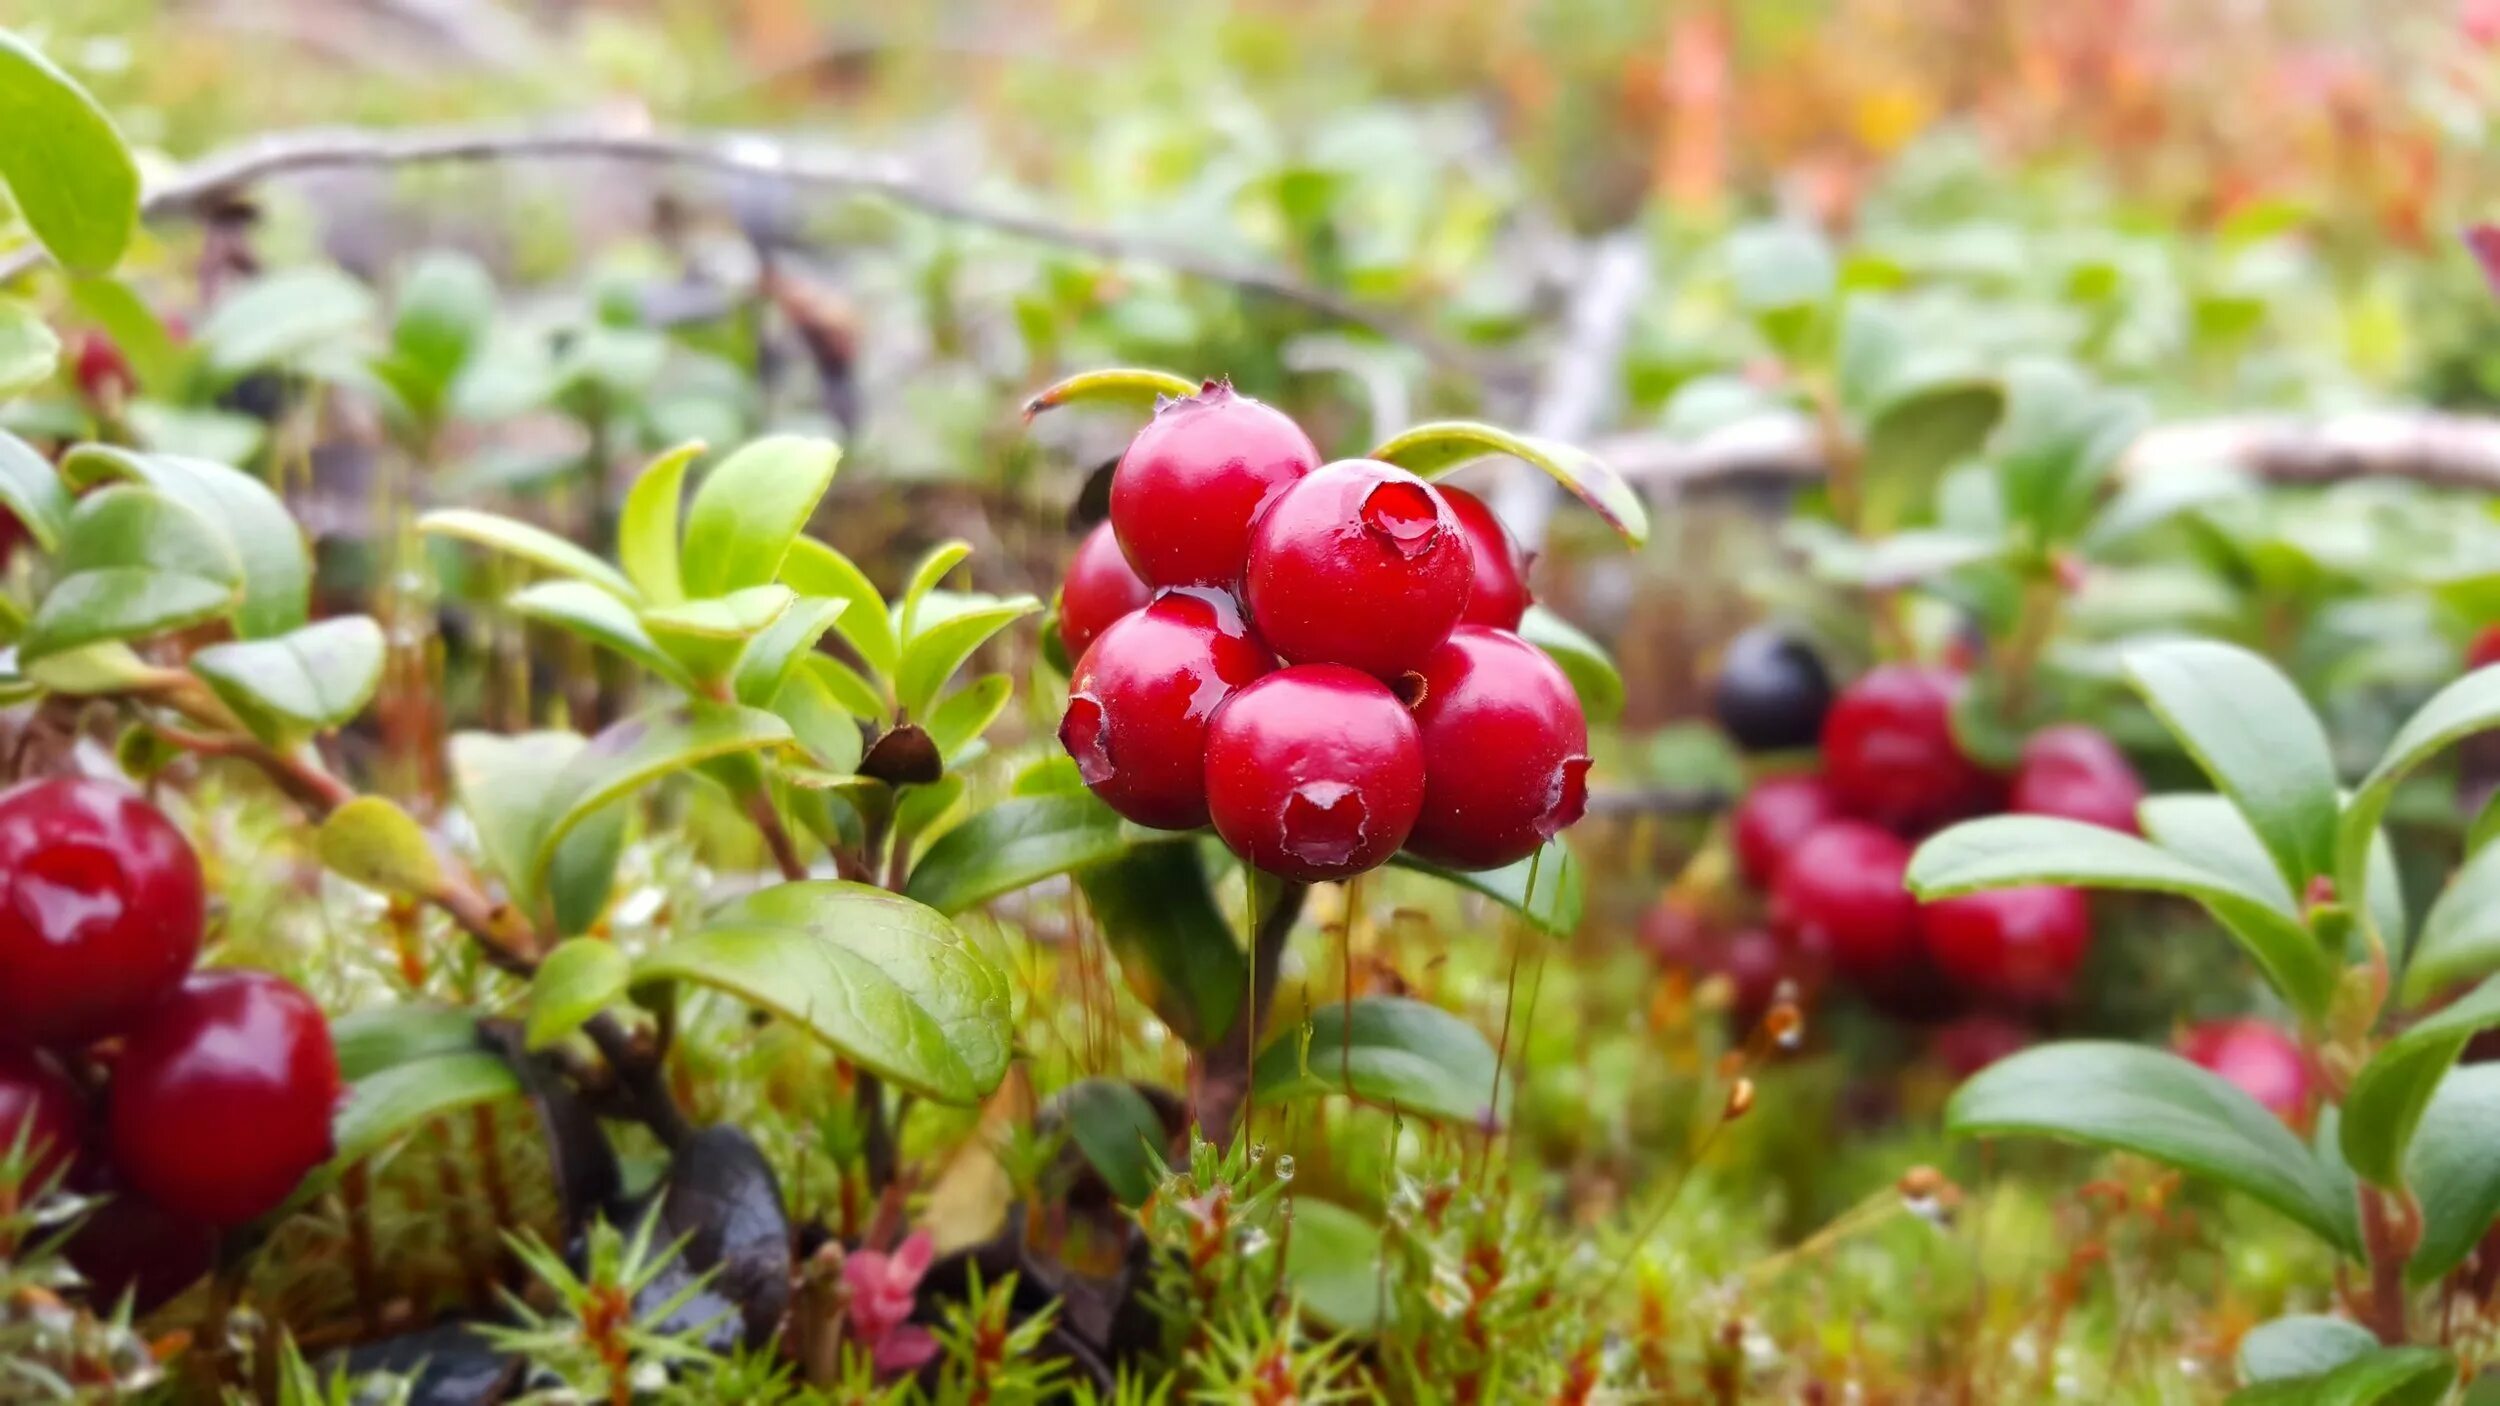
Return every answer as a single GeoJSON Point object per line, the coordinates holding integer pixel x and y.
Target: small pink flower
{"type": "Point", "coordinates": [882, 1287]}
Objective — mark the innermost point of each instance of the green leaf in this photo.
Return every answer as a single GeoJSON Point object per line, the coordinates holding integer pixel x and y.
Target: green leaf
{"type": "Point", "coordinates": [2383, 1376]}
{"type": "Point", "coordinates": [124, 525]}
{"type": "Point", "coordinates": [961, 717]}
{"type": "Point", "coordinates": [2158, 1105]}
{"type": "Point", "coordinates": [1429, 451]}
{"type": "Point", "coordinates": [532, 544]}
{"type": "Point", "coordinates": [277, 566]}
{"type": "Point", "coordinates": [2467, 706]}
{"type": "Point", "coordinates": [29, 352]}
{"type": "Point", "coordinates": [580, 978]}
{"type": "Point", "coordinates": [134, 327]}
{"type": "Point", "coordinates": [503, 782]}
{"type": "Point", "coordinates": [1117, 1130]}
{"type": "Point", "coordinates": [2301, 1345]}
{"type": "Point", "coordinates": [285, 319]}
{"type": "Point", "coordinates": [1389, 1051]}
{"type": "Point", "coordinates": [814, 569]}
{"type": "Point", "coordinates": [854, 694]}
{"type": "Point", "coordinates": [372, 842]}
{"type": "Point", "coordinates": [2208, 831]}
{"type": "Point", "coordinates": [776, 653]}
{"type": "Point", "coordinates": [708, 636]}
{"type": "Point", "coordinates": [372, 1040]}
{"type": "Point", "coordinates": [1333, 1266]}
{"type": "Point", "coordinates": [885, 981]}
{"type": "Point", "coordinates": [829, 734]}
{"type": "Point", "coordinates": [32, 492]}
{"type": "Point", "coordinates": [2061, 440]}
{"type": "Point", "coordinates": [445, 302]}
{"type": "Point", "coordinates": [601, 618]}
{"type": "Point", "coordinates": [749, 509]}
{"type": "Point", "coordinates": [1914, 439]}
{"type": "Point", "coordinates": [2451, 1170]}
{"type": "Point", "coordinates": [1176, 952]}
{"type": "Point", "coordinates": [934, 654]}
{"type": "Point", "coordinates": [2461, 936]}
{"type": "Point", "coordinates": [1783, 273]}
{"type": "Point", "coordinates": [391, 1102]}
{"type": "Point", "coordinates": [2385, 1102]}
{"type": "Point", "coordinates": [68, 171]}
{"type": "Point", "coordinates": [646, 530]}
{"type": "Point", "coordinates": [1544, 888]}
{"type": "Point", "coordinates": [95, 668]}
{"type": "Point", "coordinates": [120, 603]}
{"type": "Point", "coordinates": [1013, 844]}
{"type": "Point", "coordinates": [1124, 386]}
{"type": "Point", "coordinates": [942, 558]}
{"type": "Point", "coordinates": [1583, 660]}
{"type": "Point", "coordinates": [2248, 728]}
{"type": "Point", "coordinates": [631, 754]}
{"type": "Point", "coordinates": [306, 681]}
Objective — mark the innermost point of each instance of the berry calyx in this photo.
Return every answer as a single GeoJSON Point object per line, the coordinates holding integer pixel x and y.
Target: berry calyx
{"type": "Point", "coordinates": [1774, 818]}
{"type": "Point", "coordinates": [1772, 692]}
{"type": "Point", "coordinates": [1141, 698]}
{"type": "Point", "coordinates": [2020, 946]}
{"type": "Point", "coordinates": [1360, 564]}
{"type": "Point", "coordinates": [42, 1118]}
{"type": "Point", "coordinates": [1890, 755]}
{"type": "Point", "coordinates": [1314, 773]}
{"type": "Point", "coordinates": [1499, 595]}
{"type": "Point", "coordinates": [1840, 896]}
{"type": "Point", "coordinates": [1101, 587]}
{"type": "Point", "coordinates": [1505, 750]}
{"type": "Point", "coordinates": [2076, 772]}
{"type": "Point", "coordinates": [100, 910]}
{"type": "Point", "coordinates": [2261, 1059]}
{"type": "Point", "coordinates": [1194, 480]}
{"type": "Point", "coordinates": [221, 1103]}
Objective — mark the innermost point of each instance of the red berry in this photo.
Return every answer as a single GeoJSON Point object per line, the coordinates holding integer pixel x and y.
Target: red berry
{"type": "Point", "coordinates": [1968, 1044]}
{"type": "Point", "coordinates": [1359, 564]}
{"type": "Point", "coordinates": [1101, 587]}
{"type": "Point", "coordinates": [1499, 595]}
{"type": "Point", "coordinates": [100, 909]}
{"type": "Point", "coordinates": [1315, 772]}
{"type": "Point", "coordinates": [1194, 481]}
{"type": "Point", "coordinates": [1505, 751]}
{"type": "Point", "coordinates": [1140, 700]}
{"type": "Point", "coordinates": [221, 1103]}
{"type": "Point", "coordinates": [1774, 818]}
{"type": "Point", "coordinates": [2019, 945]}
{"type": "Point", "coordinates": [41, 1115]}
{"type": "Point", "coordinates": [2485, 651]}
{"type": "Point", "coordinates": [1890, 755]}
{"type": "Point", "coordinates": [129, 1245]}
{"type": "Point", "coordinates": [2265, 1063]}
{"type": "Point", "coordinates": [2076, 772]}
{"type": "Point", "coordinates": [1840, 896]}
{"type": "Point", "coordinates": [12, 533]}
{"type": "Point", "coordinates": [1755, 963]}
{"type": "Point", "coordinates": [103, 373]}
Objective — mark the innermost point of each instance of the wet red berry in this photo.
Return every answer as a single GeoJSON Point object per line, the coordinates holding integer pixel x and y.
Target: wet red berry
{"type": "Point", "coordinates": [100, 909]}
{"type": "Point", "coordinates": [1499, 595]}
{"type": "Point", "coordinates": [1890, 755]}
{"type": "Point", "coordinates": [1967, 1044]}
{"type": "Point", "coordinates": [2076, 772]}
{"type": "Point", "coordinates": [1140, 700]}
{"type": "Point", "coordinates": [1194, 480]}
{"type": "Point", "coordinates": [41, 1117]}
{"type": "Point", "coordinates": [1101, 587]}
{"type": "Point", "coordinates": [1359, 564]}
{"type": "Point", "coordinates": [103, 374]}
{"type": "Point", "coordinates": [1840, 897]}
{"type": "Point", "coordinates": [1505, 750]}
{"type": "Point", "coordinates": [1772, 692]}
{"type": "Point", "coordinates": [1314, 772]}
{"type": "Point", "coordinates": [221, 1102]}
{"type": "Point", "coordinates": [1774, 818]}
{"type": "Point", "coordinates": [129, 1245]}
{"type": "Point", "coordinates": [2020, 946]}
{"type": "Point", "coordinates": [2261, 1059]}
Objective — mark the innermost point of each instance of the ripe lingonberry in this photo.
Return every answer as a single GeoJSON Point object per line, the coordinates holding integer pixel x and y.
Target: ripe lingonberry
{"type": "Point", "coordinates": [2075, 771]}
{"type": "Point", "coordinates": [1755, 963]}
{"type": "Point", "coordinates": [1890, 756]}
{"type": "Point", "coordinates": [1967, 1044]}
{"type": "Point", "coordinates": [1359, 564]}
{"type": "Point", "coordinates": [2264, 1062]}
{"type": "Point", "coordinates": [1840, 897]}
{"type": "Point", "coordinates": [1194, 481]}
{"type": "Point", "coordinates": [1774, 818]}
{"type": "Point", "coordinates": [221, 1103]}
{"type": "Point", "coordinates": [100, 910]}
{"type": "Point", "coordinates": [129, 1245]}
{"type": "Point", "coordinates": [1101, 587]}
{"type": "Point", "coordinates": [2020, 945]}
{"type": "Point", "coordinates": [41, 1115]}
{"type": "Point", "coordinates": [1505, 750]}
{"type": "Point", "coordinates": [103, 373]}
{"type": "Point", "coordinates": [1314, 772]}
{"type": "Point", "coordinates": [1499, 595]}
{"type": "Point", "coordinates": [1772, 692]}
{"type": "Point", "coordinates": [1140, 700]}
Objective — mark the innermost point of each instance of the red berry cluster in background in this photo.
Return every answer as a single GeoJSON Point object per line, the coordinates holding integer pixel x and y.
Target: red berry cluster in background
{"type": "Point", "coordinates": [1317, 660]}
{"type": "Point", "coordinates": [193, 1101]}
{"type": "Point", "coordinates": [1822, 850]}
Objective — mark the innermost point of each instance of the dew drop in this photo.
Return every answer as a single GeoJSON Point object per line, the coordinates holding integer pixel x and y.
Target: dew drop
{"type": "Point", "coordinates": [1085, 731]}
{"type": "Point", "coordinates": [1323, 823]}
{"type": "Point", "coordinates": [1403, 516]}
{"type": "Point", "coordinates": [1253, 1241]}
{"type": "Point", "coordinates": [1284, 1167]}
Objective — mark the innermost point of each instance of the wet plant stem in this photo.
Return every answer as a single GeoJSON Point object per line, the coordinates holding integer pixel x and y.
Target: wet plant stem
{"type": "Point", "coordinates": [2390, 1227]}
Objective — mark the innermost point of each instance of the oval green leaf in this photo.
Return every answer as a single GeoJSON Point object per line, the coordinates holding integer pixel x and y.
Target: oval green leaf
{"type": "Point", "coordinates": [2250, 730]}
{"type": "Point", "coordinates": [1117, 1130]}
{"type": "Point", "coordinates": [2382, 1376]}
{"type": "Point", "coordinates": [1157, 914]}
{"type": "Point", "coordinates": [306, 681]}
{"type": "Point", "coordinates": [395, 1100]}
{"type": "Point", "coordinates": [1013, 844]}
{"type": "Point", "coordinates": [126, 525]}
{"type": "Point", "coordinates": [631, 754]}
{"type": "Point", "coordinates": [372, 842]}
{"type": "Point", "coordinates": [580, 978]}
{"type": "Point", "coordinates": [749, 509]}
{"type": "Point", "coordinates": [814, 569]}
{"type": "Point", "coordinates": [2461, 935]}
{"type": "Point", "coordinates": [532, 544]}
{"type": "Point", "coordinates": [33, 492]}
{"type": "Point", "coordinates": [2451, 1171]}
{"type": "Point", "coordinates": [933, 655]}
{"type": "Point", "coordinates": [29, 352]}
{"type": "Point", "coordinates": [2301, 1345]}
{"type": "Point", "coordinates": [646, 531]}
{"type": "Point", "coordinates": [2384, 1104]}
{"type": "Point", "coordinates": [601, 618]}
{"type": "Point", "coordinates": [1332, 1265]}
{"type": "Point", "coordinates": [69, 172]}
{"type": "Point", "coordinates": [1431, 450]}
{"type": "Point", "coordinates": [961, 717]}
{"type": "Point", "coordinates": [1388, 1051]}
{"type": "Point", "coordinates": [370, 1041]}
{"type": "Point", "coordinates": [2465, 707]}
{"type": "Point", "coordinates": [776, 653]}
{"type": "Point", "coordinates": [277, 566]}
{"type": "Point", "coordinates": [1583, 661]}
{"type": "Point", "coordinates": [117, 604]}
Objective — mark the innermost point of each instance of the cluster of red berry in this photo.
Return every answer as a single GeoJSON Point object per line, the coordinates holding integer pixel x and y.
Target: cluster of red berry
{"type": "Point", "coordinates": [216, 1087]}
{"type": "Point", "coordinates": [1318, 660]}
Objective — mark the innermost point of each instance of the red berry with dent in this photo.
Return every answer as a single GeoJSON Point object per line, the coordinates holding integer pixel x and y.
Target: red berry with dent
{"type": "Point", "coordinates": [1100, 588]}
{"type": "Point", "coordinates": [103, 373]}
{"type": "Point", "coordinates": [41, 1115]}
{"type": "Point", "coordinates": [1774, 818]}
{"type": "Point", "coordinates": [1193, 482]}
{"type": "Point", "coordinates": [1141, 698]}
{"type": "Point", "coordinates": [100, 910]}
{"type": "Point", "coordinates": [1840, 896]}
{"type": "Point", "coordinates": [1505, 751]}
{"type": "Point", "coordinates": [2076, 772]}
{"type": "Point", "coordinates": [1890, 756]}
{"type": "Point", "coordinates": [1499, 593]}
{"type": "Point", "coordinates": [131, 1246]}
{"type": "Point", "coordinates": [1314, 773]}
{"type": "Point", "coordinates": [1359, 564]}
{"type": "Point", "coordinates": [2264, 1062]}
{"type": "Point", "coordinates": [221, 1103]}
{"type": "Point", "coordinates": [2019, 945]}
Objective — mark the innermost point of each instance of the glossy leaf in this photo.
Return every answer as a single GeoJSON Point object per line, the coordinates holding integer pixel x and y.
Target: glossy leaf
{"type": "Point", "coordinates": [854, 694]}
{"type": "Point", "coordinates": [633, 753]}
{"type": "Point", "coordinates": [707, 636]}
{"type": "Point", "coordinates": [1157, 915]}
{"type": "Point", "coordinates": [2301, 1345]}
{"type": "Point", "coordinates": [503, 782]}
{"type": "Point", "coordinates": [932, 569]}
{"type": "Point", "coordinates": [120, 603]}
{"type": "Point", "coordinates": [1117, 1131]}
{"type": "Point", "coordinates": [1129, 387]}
{"type": "Point", "coordinates": [379, 1037]}
{"type": "Point", "coordinates": [828, 732]}
{"type": "Point", "coordinates": [2384, 1104]}
{"type": "Point", "coordinates": [29, 352]}
{"type": "Point", "coordinates": [748, 510]}
{"type": "Point", "coordinates": [646, 528]}
{"type": "Point", "coordinates": [1914, 439]}
{"type": "Point", "coordinates": [125, 525]}
{"type": "Point", "coordinates": [933, 655]}
{"type": "Point", "coordinates": [135, 328]}
{"type": "Point", "coordinates": [1583, 661]}
{"type": "Point", "coordinates": [814, 569]}
{"type": "Point", "coordinates": [2250, 731]}
{"type": "Point", "coordinates": [1431, 450]}
{"type": "Point", "coordinates": [442, 308]}
{"type": "Point", "coordinates": [2461, 935]}
{"type": "Point", "coordinates": [32, 492]}
{"type": "Point", "coordinates": [580, 978]}
{"type": "Point", "coordinates": [277, 565]}
{"type": "Point", "coordinates": [601, 618]}
{"type": "Point", "coordinates": [307, 681]}
{"type": "Point", "coordinates": [960, 718]}
{"type": "Point", "coordinates": [2451, 1170]}
{"type": "Point", "coordinates": [2465, 707]}
{"type": "Point", "coordinates": [290, 318]}
{"type": "Point", "coordinates": [1388, 1051]}
{"type": "Point", "coordinates": [2383, 1376]}
{"type": "Point", "coordinates": [1333, 1267]}
{"type": "Point", "coordinates": [532, 544]}
{"type": "Point", "coordinates": [1013, 844]}
{"type": "Point", "coordinates": [780, 648]}
{"type": "Point", "coordinates": [394, 1101]}
{"type": "Point", "coordinates": [371, 841]}
{"type": "Point", "coordinates": [2206, 830]}
{"type": "Point", "coordinates": [1545, 888]}
{"type": "Point", "coordinates": [69, 173]}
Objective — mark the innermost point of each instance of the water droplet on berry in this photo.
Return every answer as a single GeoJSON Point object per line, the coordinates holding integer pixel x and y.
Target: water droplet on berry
{"type": "Point", "coordinates": [1403, 516]}
{"type": "Point", "coordinates": [1324, 822]}
{"type": "Point", "coordinates": [1086, 732]}
{"type": "Point", "coordinates": [1284, 1167]}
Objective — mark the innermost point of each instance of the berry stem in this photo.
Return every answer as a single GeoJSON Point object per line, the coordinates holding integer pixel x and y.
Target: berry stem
{"type": "Point", "coordinates": [1224, 1073]}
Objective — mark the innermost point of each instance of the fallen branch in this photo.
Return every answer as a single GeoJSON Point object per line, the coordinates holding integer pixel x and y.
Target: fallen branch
{"type": "Point", "coordinates": [1583, 376]}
